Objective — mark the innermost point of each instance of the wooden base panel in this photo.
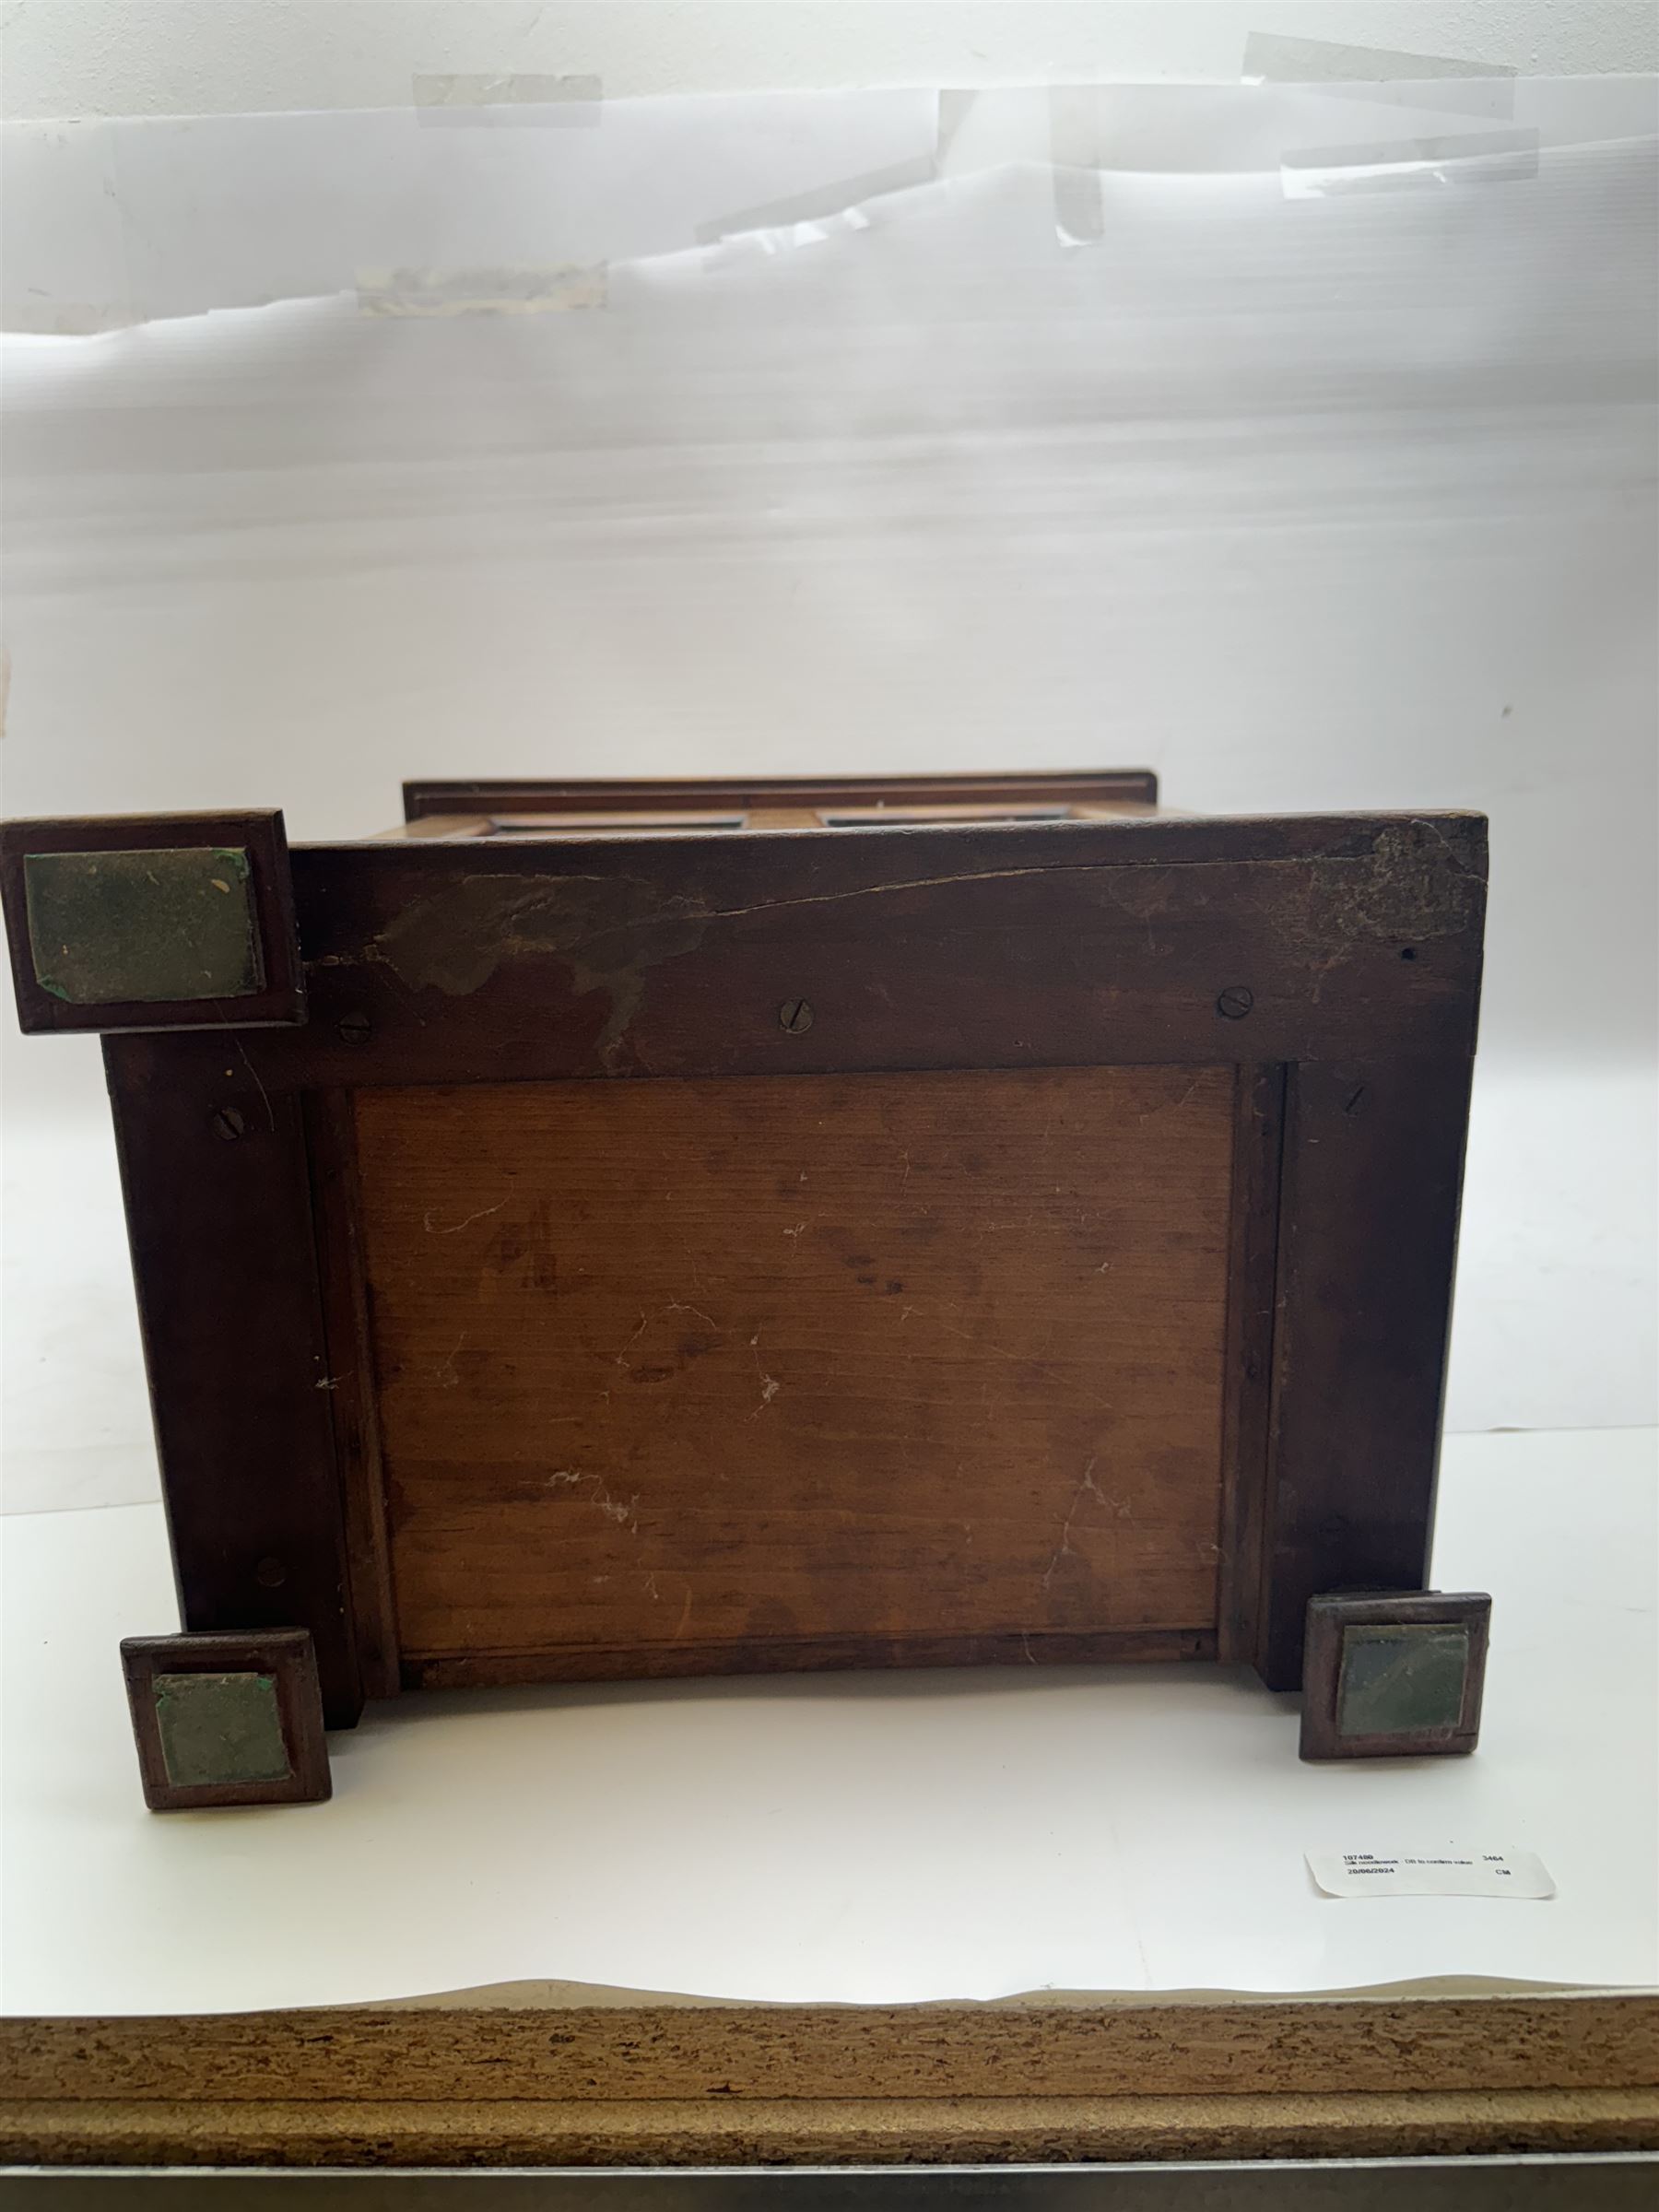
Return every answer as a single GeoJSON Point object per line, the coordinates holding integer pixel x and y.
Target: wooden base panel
{"type": "Point", "coordinates": [724, 2132]}
{"type": "Point", "coordinates": [596, 2078]}
{"type": "Point", "coordinates": [663, 2047]}
{"type": "Point", "coordinates": [880, 1362]}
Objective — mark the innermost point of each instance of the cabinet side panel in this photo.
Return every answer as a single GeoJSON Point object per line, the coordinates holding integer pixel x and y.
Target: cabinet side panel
{"type": "Point", "coordinates": [1372, 1181]}
{"type": "Point", "coordinates": [224, 1261]}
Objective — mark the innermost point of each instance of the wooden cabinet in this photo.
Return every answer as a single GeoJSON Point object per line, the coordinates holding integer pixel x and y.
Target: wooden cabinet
{"type": "Point", "coordinates": [708, 1226]}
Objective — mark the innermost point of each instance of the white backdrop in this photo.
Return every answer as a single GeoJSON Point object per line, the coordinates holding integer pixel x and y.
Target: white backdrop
{"type": "Point", "coordinates": [218, 57]}
{"type": "Point", "coordinates": [1176, 427]}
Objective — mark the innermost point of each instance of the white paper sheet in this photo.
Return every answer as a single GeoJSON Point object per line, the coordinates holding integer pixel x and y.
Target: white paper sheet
{"type": "Point", "coordinates": [1332, 502]}
{"type": "Point", "coordinates": [110, 221]}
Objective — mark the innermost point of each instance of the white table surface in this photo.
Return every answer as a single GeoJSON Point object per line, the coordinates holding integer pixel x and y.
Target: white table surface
{"type": "Point", "coordinates": [895, 1836]}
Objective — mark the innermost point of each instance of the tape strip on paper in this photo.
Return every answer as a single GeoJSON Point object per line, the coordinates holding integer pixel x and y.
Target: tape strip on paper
{"type": "Point", "coordinates": [449, 292]}
{"type": "Point", "coordinates": [1320, 173]}
{"type": "Point", "coordinates": [803, 216]}
{"type": "Point", "coordinates": [1076, 152]}
{"type": "Point", "coordinates": [823, 203]}
{"type": "Point", "coordinates": [1083, 129]}
{"type": "Point", "coordinates": [509, 99]}
{"type": "Point", "coordinates": [1417, 80]}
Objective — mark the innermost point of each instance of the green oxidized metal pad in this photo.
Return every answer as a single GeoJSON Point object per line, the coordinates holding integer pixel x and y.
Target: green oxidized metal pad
{"type": "Point", "coordinates": [1398, 1680]}
{"type": "Point", "coordinates": [109, 928]}
{"type": "Point", "coordinates": [220, 1728]}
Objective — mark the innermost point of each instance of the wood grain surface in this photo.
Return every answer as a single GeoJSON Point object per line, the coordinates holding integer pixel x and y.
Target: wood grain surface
{"type": "Point", "coordinates": [667, 2081]}
{"type": "Point", "coordinates": [697, 1363]}
{"type": "Point", "coordinates": [1370, 1196]}
{"type": "Point", "coordinates": [909, 2131]}
{"type": "Point", "coordinates": [623, 2045]}
{"type": "Point", "coordinates": [997, 945]}
{"type": "Point", "coordinates": [230, 1302]}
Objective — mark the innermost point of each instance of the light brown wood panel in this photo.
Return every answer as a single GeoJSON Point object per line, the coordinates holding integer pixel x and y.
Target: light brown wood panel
{"type": "Point", "coordinates": [677, 1368]}
{"type": "Point", "coordinates": [522, 2076]}
{"type": "Point", "coordinates": [847, 2130]}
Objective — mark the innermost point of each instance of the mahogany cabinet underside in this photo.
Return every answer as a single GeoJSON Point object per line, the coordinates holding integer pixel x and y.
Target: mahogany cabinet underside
{"type": "Point", "coordinates": [717, 1225]}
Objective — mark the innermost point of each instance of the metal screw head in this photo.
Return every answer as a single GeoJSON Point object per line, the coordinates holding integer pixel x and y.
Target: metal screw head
{"type": "Point", "coordinates": [354, 1029]}
{"type": "Point", "coordinates": [795, 1016]}
{"type": "Point", "coordinates": [226, 1123]}
{"type": "Point", "coordinates": [270, 1574]}
{"type": "Point", "coordinates": [1235, 1002]}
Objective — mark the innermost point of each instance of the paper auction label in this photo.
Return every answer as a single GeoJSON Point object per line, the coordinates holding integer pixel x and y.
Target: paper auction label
{"type": "Point", "coordinates": [1430, 1874]}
